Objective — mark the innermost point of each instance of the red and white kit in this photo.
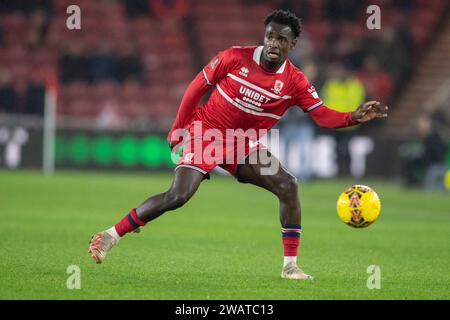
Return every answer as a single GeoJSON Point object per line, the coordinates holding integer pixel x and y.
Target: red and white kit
{"type": "Point", "coordinates": [245, 96]}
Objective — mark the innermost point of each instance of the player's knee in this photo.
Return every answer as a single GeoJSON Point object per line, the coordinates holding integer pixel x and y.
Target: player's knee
{"type": "Point", "coordinates": [288, 187]}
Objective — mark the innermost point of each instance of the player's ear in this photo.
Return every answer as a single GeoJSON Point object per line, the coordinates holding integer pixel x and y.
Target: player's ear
{"type": "Point", "coordinates": [293, 43]}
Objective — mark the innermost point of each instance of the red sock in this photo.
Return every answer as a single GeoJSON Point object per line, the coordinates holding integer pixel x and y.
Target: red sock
{"type": "Point", "coordinates": [291, 239]}
{"type": "Point", "coordinates": [128, 223]}
{"type": "Point", "coordinates": [291, 246]}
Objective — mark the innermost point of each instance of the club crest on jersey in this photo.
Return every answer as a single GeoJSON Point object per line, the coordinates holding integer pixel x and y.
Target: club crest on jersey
{"type": "Point", "coordinates": [313, 92]}
{"type": "Point", "coordinates": [277, 86]}
{"type": "Point", "coordinates": [244, 71]}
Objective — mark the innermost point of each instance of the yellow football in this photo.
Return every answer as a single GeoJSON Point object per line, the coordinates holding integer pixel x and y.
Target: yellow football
{"type": "Point", "coordinates": [358, 206]}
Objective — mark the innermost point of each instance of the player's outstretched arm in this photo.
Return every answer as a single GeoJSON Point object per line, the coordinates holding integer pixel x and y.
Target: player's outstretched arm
{"type": "Point", "coordinates": [370, 110]}
{"type": "Point", "coordinates": [194, 92]}
{"type": "Point", "coordinates": [329, 118]}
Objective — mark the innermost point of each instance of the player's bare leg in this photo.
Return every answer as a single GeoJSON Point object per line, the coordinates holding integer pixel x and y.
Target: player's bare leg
{"type": "Point", "coordinates": [284, 186]}
{"type": "Point", "coordinates": [184, 185]}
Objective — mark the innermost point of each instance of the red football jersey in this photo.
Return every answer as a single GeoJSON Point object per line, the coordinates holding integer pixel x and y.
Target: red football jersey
{"type": "Point", "coordinates": [245, 96]}
{"type": "Point", "coordinates": [248, 96]}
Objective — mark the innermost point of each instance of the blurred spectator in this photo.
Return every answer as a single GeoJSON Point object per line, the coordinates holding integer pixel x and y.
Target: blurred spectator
{"type": "Point", "coordinates": [297, 132]}
{"type": "Point", "coordinates": [7, 6]}
{"type": "Point", "coordinates": [252, 2]}
{"type": "Point", "coordinates": [392, 51]}
{"type": "Point", "coordinates": [338, 10]}
{"type": "Point", "coordinates": [45, 5]}
{"type": "Point", "coordinates": [424, 160]}
{"type": "Point", "coordinates": [129, 65]}
{"type": "Point", "coordinates": [304, 52]}
{"type": "Point", "coordinates": [404, 39]}
{"type": "Point", "coordinates": [332, 32]}
{"type": "Point", "coordinates": [34, 101]}
{"type": "Point", "coordinates": [8, 95]}
{"type": "Point", "coordinates": [378, 83]}
{"type": "Point", "coordinates": [136, 8]}
{"type": "Point", "coordinates": [35, 98]}
{"type": "Point", "coordinates": [342, 91]}
{"type": "Point", "coordinates": [26, 6]}
{"type": "Point", "coordinates": [350, 51]}
{"type": "Point", "coordinates": [2, 37]}
{"type": "Point", "coordinates": [39, 27]}
{"type": "Point", "coordinates": [311, 72]}
{"type": "Point", "coordinates": [102, 63]}
{"type": "Point", "coordinates": [109, 116]}
{"type": "Point", "coordinates": [73, 65]}
{"type": "Point", "coordinates": [405, 4]}
{"type": "Point", "coordinates": [300, 7]}
{"type": "Point", "coordinates": [164, 8]}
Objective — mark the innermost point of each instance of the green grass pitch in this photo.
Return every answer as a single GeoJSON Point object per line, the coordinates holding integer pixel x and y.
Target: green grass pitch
{"type": "Point", "coordinates": [224, 244]}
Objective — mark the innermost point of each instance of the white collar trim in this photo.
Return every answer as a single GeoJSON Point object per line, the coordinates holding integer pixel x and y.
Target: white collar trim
{"type": "Point", "coordinates": [257, 58]}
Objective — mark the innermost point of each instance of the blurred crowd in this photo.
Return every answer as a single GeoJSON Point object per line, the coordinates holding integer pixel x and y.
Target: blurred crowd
{"type": "Point", "coordinates": [156, 8]}
{"type": "Point", "coordinates": [100, 61]}
{"type": "Point", "coordinates": [424, 157]}
{"type": "Point", "coordinates": [101, 65]}
{"type": "Point", "coordinates": [130, 63]}
{"type": "Point", "coordinates": [349, 66]}
{"type": "Point", "coordinates": [29, 99]}
{"type": "Point", "coordinates": [347, 63]}
{"type": "Point", "coordinates": [372, 63]}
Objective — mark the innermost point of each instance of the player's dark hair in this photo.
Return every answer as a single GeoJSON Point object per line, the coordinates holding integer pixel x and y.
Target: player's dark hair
{"type": "Point", "coordinates": [287, 18]}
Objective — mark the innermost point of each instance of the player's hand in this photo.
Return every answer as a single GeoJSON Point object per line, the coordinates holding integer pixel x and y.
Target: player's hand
{"type": "Point", "coordinates": [172, 144]}
{"type": "Point", "coordinates": [175, 138]}
{"type": "Point", "coordinates": [177, 149]}
{"type": "Point", "coordinates": [368, 111]}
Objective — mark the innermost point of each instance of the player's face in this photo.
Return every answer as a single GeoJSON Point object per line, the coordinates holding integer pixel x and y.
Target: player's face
{"type": "Point", "coordinates": [278, 40]}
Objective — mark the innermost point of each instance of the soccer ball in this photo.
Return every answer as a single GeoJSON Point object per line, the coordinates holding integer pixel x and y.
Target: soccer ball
{"type": "Point", "coordinates": [358, 206]}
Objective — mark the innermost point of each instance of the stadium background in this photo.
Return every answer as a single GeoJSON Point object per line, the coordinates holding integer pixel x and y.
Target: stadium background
{"type": "Point", "coordinates": [119, 81]}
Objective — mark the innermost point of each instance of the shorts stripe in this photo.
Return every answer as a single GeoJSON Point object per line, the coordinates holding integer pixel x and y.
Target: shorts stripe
{"type": "Point", "coordinates": [192, 167]}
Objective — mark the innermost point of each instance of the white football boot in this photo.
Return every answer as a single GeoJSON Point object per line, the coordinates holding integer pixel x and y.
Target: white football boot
{"type": "Point", "coordinates": [100, 244]}
{"type": "Point", "coordinates": [292, 271]}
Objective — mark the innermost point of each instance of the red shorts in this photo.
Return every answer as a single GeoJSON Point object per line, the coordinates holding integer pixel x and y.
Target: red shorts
{"type": "Point", "coordinates": [206, 150]}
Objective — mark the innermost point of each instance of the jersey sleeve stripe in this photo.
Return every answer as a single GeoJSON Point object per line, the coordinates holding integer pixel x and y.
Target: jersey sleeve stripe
{"type": "Point", "coordinates": [314, 106]}
{"type": "Point", "coordinates": [206, 77]}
